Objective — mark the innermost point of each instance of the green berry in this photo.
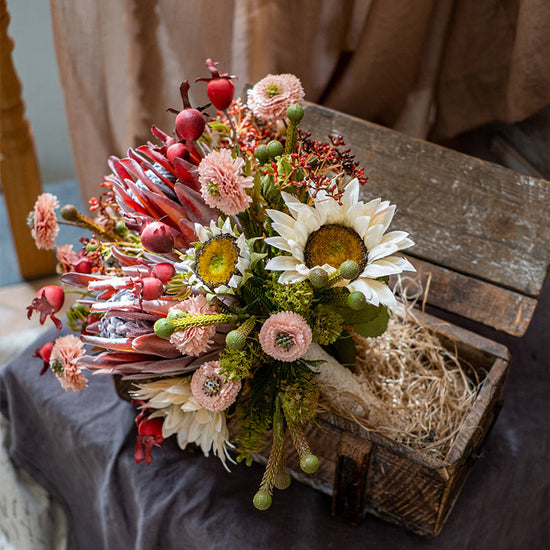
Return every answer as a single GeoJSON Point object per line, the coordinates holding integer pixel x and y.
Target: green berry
{"type": "Point", "coordinates": [91, 247]}
{"type": "Point", "coordinates": [274, 148]}
{"type": "Point", "coordinates": [262, 500]}
{"type": "Point", "coordinates": [295, 113]}
{"type": "Point", "coordinates": [69, 213]}
{"type": "Point", "coordinates": [164, 328]}
{"type": "Point", "coordinates": [261, 154]}
{"type": "Point", "coordinates": [356, 300]}
{"type": "Point", "coordinates": [309, 464]}
{"type": "Point", "coordinates": [282, 480]}
{"type": "Point", "coordinates": [120, 228]}
{"type": "Point", "coordinates": [349, 270]}
{"type": "Point", "coordinates": [235, 340]}
{"type": "Point", "coordinates": [318, 277]}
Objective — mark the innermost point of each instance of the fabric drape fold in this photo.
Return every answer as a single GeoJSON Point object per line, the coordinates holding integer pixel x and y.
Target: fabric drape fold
{"type": "Point", "coordinates": [431, 69]}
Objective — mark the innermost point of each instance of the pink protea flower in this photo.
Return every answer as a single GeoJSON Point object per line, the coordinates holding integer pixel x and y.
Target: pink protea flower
{"type": "Point", "coordinates": [211, 389]}
{"type": "Point", "coordinates": [285, 336]}
{"type": "Point", "coordinates": [194, 341]}
{"type": "Point", "coordinates": [222, 184]}
{"type": "Point", "coordinates": [44, 222]}
{"type": "Point", "coordinates": [272, 96]}
{"type": "Point", "coordinates": [65, 352]}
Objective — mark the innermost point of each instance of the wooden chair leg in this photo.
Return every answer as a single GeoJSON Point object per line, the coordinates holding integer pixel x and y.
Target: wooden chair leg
{"type": "Point", "coordinates": [19, 172]}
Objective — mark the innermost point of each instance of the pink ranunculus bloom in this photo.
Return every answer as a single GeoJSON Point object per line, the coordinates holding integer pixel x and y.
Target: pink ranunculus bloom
{"type": "Point", "coordinates": [45, 227]}
{"type": "Point", "coordinates": [194, 341]}
{"type": "Point", "coordinates": [285, 336]}
{"type": "Point", "coordinates": [222, 184]}
{"type": "Point", "coordinates": [65, 353]}
{"type": "Point", "coordinates": [211, 389]}
{"type": "Point", "coordinates": [273, 95]}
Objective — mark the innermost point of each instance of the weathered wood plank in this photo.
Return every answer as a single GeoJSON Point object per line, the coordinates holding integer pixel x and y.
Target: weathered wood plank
{"type": "Point", "coordinates": [466, 214]}
{"type": "Point", "coordinates": [474, 299]}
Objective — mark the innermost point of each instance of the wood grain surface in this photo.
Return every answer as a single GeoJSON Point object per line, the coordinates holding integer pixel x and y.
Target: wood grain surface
{"type": "Point", "coordinates": [465, 214]}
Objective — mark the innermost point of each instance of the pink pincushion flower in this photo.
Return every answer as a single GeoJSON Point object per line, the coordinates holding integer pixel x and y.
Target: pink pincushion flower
{"type": "Point", "coordinates": [194, 341]}
{"type": "Point", "coordinates": [273, 95]}
{"type": "Point", "coordinates": [222, 184]}
{"type": "Point", "coordinates": [44, 221]}
{"type": "Point", "coordinates": [285, 336]}
{"type": "Point", "coordinates": [211, 389]}
{"type": "Point", "coordinates": [64, 355]}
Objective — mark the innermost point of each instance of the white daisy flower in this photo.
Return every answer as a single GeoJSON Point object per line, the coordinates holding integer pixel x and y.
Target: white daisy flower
{"type": "Point", "coordinates": [174, 401]}
{"type": "Point", "coordinates": [329, 233]}
{"type": "Point", "coordinates": [219, 263]}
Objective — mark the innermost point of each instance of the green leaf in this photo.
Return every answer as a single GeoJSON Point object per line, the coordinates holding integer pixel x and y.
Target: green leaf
{"type": "Point", "coordinates": [343, 350]}
{"type": "Point", "coordinates": [219, 127]}
{"type": "Point", "coordinates": [364, 315]}
{"type": "Point", "coordinates": [376, 326]}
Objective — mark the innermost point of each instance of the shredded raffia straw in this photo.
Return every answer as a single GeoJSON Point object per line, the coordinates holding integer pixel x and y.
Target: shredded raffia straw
{"type": "Point", "coordinates": [405, 385]}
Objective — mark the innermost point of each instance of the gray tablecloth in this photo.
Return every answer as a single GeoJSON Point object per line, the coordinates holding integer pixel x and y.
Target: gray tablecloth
{"type": "Point", "coordinates": [80, 448]}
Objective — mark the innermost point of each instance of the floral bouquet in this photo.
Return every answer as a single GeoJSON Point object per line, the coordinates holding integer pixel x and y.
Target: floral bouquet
{"type": "Point", "coordinates": [226, 264]}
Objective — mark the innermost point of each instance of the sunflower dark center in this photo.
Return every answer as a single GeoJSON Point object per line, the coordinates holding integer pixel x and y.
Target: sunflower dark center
{"type": "Point", "coordinates": [333, 244]}
{"type": "Point", "coordinates": [217, 260]}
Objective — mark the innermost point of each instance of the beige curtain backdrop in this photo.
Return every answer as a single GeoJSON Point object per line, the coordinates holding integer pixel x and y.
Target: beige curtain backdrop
{"type": "Point", "coordinates": [429, 68]}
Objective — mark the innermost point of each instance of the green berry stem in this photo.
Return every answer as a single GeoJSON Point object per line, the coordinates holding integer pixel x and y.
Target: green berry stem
{"type": "Point", "coordinates": [291, 137]}
{"type": "Point", "coordinates": [165, 327]}
{"type": "Point", "coordinates": [298, 438]}
{"type": "Point", "coordinates": [236, 339]}
{"type": "Point", "coordinates": [275, 462]}
{"type": "Point", "coordinates": [71, 214]}
{"type": "Point", "coordinates": [295, 114]}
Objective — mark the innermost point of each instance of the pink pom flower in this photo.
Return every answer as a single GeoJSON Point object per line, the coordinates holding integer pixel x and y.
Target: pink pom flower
{"type": "Point", "coordinates": [222, 184]}
{"type": "Point", "coordinates": [211, 389]}
{"type": "Point", "coordinates": [194, 341]}
{"type": "Point", "coordinates": [44, 222]}
{"type": "Point", "coordinates": [65, 352]}
{"type": "Point", "coordinates": [272, 96]}
{"type": "Point", "coordinates": [285, 336]}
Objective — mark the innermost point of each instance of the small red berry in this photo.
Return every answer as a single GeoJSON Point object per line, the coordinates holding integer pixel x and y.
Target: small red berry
{"type": "Point", "coordinates": [157, 237]}
{"type": "Point", "coordinates": [83, 265]}
{"type": "Point", "coordinates": [220, 92]}
{"type": "Point", "coordinates": [152, 288]}
{"type": "Point", "coordinates": [48, 301]}
{"type": "Point", "coordinates": [220, 89]}
{"type": "Point", "coordinates": [176, 150]}
{"type": "Point", "coordinates": [164, 271]}
{"type": "Point", "coordinates": [44, 353]}
{"type": "Point", "coordinates": [190, 124]}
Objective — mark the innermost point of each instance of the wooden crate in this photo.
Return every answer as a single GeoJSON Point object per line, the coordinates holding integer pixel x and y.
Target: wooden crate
{"type": "Point", "coordinates": [366, 472]}
{"type": "Point", "coordinates": [483, 242]}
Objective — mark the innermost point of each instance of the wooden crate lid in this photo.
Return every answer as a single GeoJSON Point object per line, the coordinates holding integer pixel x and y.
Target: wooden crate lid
{"type": "Point", "coordinates": [482, 231]}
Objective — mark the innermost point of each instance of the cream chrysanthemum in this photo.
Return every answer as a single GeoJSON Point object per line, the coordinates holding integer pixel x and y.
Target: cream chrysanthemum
{"type": "Point", "coordinates": [330, 232]}
{"type": "Point", "coordinates": [219, 263]}
{"type": "Point", "coordinates": [174, 401]}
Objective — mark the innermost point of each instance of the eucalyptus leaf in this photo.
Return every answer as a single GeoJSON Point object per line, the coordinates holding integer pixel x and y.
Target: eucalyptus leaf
{"type": "Point", "coordinates": [364, 315]}
{"type": "Point", "coordinates": [375, 327]}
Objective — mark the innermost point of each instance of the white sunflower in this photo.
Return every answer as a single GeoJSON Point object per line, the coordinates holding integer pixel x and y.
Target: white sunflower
{"type": "Point", "coordinates": [329, 233]}
{"type": "Point", "coordinates": [219, 261]}
{"type": "Point", "coordinates": [173, 400]}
